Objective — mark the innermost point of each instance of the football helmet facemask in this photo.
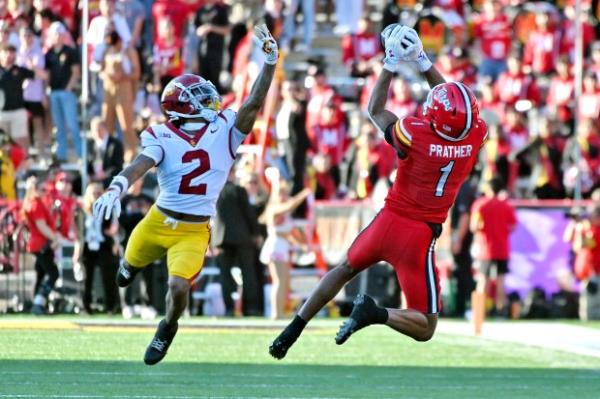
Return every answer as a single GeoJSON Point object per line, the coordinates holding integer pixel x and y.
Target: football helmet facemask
{"type": "Point", "coordinates": [190, 96]}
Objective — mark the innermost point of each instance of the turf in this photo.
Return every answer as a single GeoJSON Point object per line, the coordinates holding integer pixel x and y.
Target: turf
{"type": "Point", "coordinates": [106, 362]}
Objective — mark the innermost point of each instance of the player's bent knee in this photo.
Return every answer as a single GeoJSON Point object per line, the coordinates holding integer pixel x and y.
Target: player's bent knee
{"type": "Point", "coordinates": [346, 269]}
{"type": "Point", "coordinates": [178, 286]}
{"type": "Point", "coordinates": [424, 336]}
{"type": "Point", "coordinates": [427, 333]}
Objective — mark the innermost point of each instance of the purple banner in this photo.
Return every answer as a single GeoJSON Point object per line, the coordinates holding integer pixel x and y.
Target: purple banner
{"type": "Point", "coordinates": [539, 255]}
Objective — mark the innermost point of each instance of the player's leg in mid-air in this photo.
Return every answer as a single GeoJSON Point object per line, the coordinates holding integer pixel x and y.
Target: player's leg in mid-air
{"type": "Point", "coordinates": [185, 245]}
{"type": "Point", "coordinates": [411, 253]}
{"type": "Point", "coordinates": [362, 254]}
{"type": "Point", "coordinates": [406, 244]}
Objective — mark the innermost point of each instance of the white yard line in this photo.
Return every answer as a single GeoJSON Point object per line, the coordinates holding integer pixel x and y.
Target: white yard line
{"type": "Point", "coordinates": [559, 336]}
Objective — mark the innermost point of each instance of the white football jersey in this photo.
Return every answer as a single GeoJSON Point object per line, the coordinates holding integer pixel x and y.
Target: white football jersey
{"type": "Point", "coordinates": [194, 168]}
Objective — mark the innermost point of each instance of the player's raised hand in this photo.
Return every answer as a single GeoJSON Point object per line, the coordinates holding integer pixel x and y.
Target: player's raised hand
{"type": "Point", "coordinates": [387, 32]}
{"type": "Point", "coordinates": [412, 49]}
{"type": "Point", "coordinates": [402, 43]}
{"type": "Point", "coordinates": [390, 37]}
{"type": "Point", "coordinates": [264, 39]}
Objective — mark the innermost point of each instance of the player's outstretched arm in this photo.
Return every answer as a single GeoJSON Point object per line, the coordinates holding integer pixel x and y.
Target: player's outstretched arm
{"type": "Point", "coordinates": [109, 203]}
{"type": "Point", "coordinates": [249, 109]}
{"type": "Point", "coordinates": [434, 77]}
{"type": "Point", "coordinates": [381, 117]}
{"type": "Point", "coordinates": [138, 168]}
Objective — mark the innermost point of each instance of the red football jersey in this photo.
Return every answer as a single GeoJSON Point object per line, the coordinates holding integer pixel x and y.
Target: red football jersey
{"type": "Point", "coordinates": [428, 180]}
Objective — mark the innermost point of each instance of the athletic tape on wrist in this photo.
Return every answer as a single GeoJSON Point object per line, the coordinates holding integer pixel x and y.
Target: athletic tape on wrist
{"type": "Point", "coordinates": [119, 183]}
{"type": "Point", "coordinates": [423, 62]}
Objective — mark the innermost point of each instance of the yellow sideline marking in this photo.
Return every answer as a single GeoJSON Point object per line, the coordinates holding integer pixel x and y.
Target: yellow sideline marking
{"type": "Point", "coordinates": [37, 325]}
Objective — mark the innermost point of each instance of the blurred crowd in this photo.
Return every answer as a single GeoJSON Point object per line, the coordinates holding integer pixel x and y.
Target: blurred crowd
{"type": "Point", "coordinates": [518, 57]}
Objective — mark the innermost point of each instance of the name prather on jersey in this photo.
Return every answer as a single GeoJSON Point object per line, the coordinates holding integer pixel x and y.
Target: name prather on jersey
{"type": "Point", "coordinates": [450, 151]}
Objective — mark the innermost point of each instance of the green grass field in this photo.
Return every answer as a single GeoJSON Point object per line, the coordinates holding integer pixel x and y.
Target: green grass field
{"type": "Point", "coordinates": [73, 361]}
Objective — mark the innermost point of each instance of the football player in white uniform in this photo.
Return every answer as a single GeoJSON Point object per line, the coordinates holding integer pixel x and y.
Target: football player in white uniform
{"type": "Point", "coordinates": [193, 153]}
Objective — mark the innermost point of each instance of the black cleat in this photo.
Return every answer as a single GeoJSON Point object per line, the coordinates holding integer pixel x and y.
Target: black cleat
{"type": "Point", "coordinates": [126, 274]}
{"type": "Point", "coordinates": [363, 314]}
{"type": "Point", "coordinates": [282, 344]}
{"type": "Point", "coordinates": [160, 343]}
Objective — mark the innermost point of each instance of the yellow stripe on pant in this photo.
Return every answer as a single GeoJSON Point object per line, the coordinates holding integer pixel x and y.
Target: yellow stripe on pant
{"type": "Point", "coordinates": [185, 245]}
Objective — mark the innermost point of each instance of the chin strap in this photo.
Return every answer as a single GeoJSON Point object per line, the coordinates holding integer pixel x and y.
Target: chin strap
{"type": "Point", "coordinates": [209, 115]}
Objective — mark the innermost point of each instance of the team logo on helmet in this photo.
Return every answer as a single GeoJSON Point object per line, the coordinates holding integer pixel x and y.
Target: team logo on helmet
{"type": "Point", "coordinates": [452, 110]}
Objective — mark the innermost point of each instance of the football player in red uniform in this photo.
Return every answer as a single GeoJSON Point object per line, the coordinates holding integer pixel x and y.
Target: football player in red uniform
{"type": "Point", "coordinates": [437, 152]}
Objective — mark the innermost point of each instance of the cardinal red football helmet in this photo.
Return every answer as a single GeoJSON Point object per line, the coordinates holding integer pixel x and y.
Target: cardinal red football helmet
{"type": "Point", "coordinates": [190, 96]}
{"type": "Point", "coordinates": [452, 109]}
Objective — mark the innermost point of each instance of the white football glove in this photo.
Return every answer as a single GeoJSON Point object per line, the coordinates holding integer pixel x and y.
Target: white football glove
{"type": "Point", "coordinates": [412, 49]}
{"type": "Point", "coordinates": [109, 203]}
{"type": "Point", "coordinates": [385, 34]}
{"type": "Point", "coordinates": [403, 44]}
{"type": "Point", "coordinates": [390, 38]}
{"type": "Point", "coordinates": [264, 39]}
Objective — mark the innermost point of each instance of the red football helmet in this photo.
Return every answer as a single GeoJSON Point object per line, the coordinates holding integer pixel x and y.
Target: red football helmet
{"type": "Point", "coordinates": [190, 96]}
{"type": "Point", "coordinates": [452, 109]}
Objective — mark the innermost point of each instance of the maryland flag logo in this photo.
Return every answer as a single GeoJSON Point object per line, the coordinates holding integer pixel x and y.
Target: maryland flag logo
{"type": "Point", "coordinates": [432, 32]}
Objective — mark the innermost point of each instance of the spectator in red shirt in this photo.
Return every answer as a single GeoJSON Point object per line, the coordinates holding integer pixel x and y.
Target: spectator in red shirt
{"type": "Point", "coordinates": [567, 42]}
{"type": "Point", "coordinates": [494, 31]}
{"type": "Point", "coordinates": [359, 49]}
{"type": "Point", "coordinates": [63, 205]}
{"type": "Point", "coordinates": [43, 239]}
{"type": "Point", "coordinates": [514, 84]}
{"type": "Point", "coordinates": [168, 57]}
{"type": "Point", "coordinates": [492, 221]}
{"type": "Point", "coordinates": [175, 10]}
{"type": "Point", "coordinates": [541, 49]}
{"type": "Point", "coordinates": [561, 91]}
{"type": "Point", "coordinates": [454, 64]}
{"type": "Point", "coordinates": [324, 185]}
{"type": "Point", "coordinates": [331, 136]}
{"type": "Point", "coordinates": [319, 93]}
{"type": "Point", "coordinates": [590, 98]}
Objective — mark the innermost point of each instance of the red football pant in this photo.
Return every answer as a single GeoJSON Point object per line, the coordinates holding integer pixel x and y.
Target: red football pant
{"type": "Point", "coordinates": [408, 245]}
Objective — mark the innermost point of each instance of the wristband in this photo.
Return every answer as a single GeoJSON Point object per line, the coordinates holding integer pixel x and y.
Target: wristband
{"type": "Point", "coordinates": [120, 184]}
{"type": "Point", "coordinates": [271, 57]}
{"type": "Point", "coordinates": [423, 62]}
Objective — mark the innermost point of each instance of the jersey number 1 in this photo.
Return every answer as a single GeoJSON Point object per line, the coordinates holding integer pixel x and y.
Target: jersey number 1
{"type": "Point", "coordinates": [439, 188]}
{"type": "Point", "coordinates": [185, 187]}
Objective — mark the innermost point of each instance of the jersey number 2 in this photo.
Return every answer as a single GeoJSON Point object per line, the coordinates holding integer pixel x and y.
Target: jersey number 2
{"type": "Point", "coordinates": [439, 188]}
{"type": "Point", "coordinates": [185, 187]}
